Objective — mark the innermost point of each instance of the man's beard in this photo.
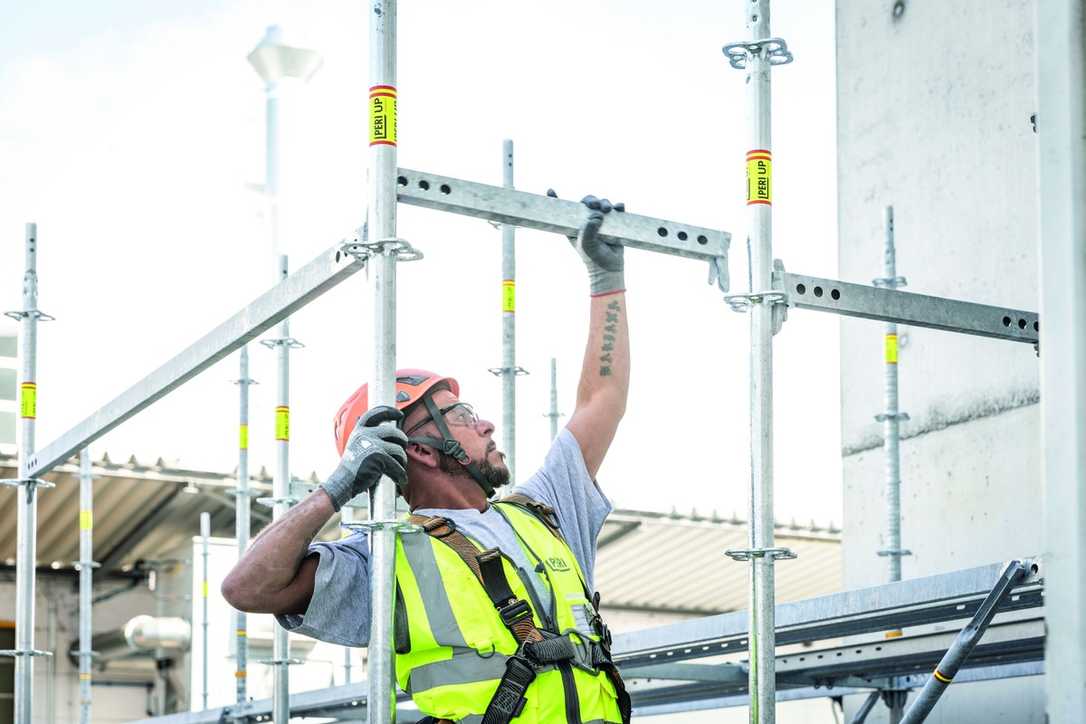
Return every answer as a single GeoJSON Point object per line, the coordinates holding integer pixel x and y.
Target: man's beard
{"type": "Point", "coordinates": [494, 475]}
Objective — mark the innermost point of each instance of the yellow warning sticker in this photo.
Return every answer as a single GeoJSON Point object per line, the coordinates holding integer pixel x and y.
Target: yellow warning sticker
{"type": "Point", "coordinates": [205, 589]}
{"type": "Point", "coordinates": [382, 115]}
{"type": "Point", "coordinates": [243, 437]}
{"type": "Point", "coordinates": [241, 633]}
{"type": "Point", "coordinates": [282, 423]}
{"type": "Point", "coordinates": [86, 520]}
{"type": "Point", "coordinates": [509, 295]}
{"type": "Point", "coordinates": [29, 400]}
{"type": "Point", "coordinates": [891, 349]}
{"type": "Point", "coordinates": [240, 674]}
{"type": "Point", "coordinates": [759, 177]}
{"type": "Point", "coordinates": [84, 677]}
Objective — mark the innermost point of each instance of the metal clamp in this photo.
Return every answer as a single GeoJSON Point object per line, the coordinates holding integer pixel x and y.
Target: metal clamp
{"type": "Point", "coordinates": [363, 250]}
{"type": "Point", "coordinates": [15, 653]}
{"type": "Point", "coordinates": [279, 662]}
{"type": "Point", "coordinates": [900, 417]}
{"type": "Point", "coordinates": [27, 482]}
{"type": "Point", "coordinates": [235, 492]}
{"type": "Point", "coordinates": [888, 552]}
{"type": "Point", "coordinates": [288, 342]}
{"type": "Point", "coordinates": [37, 314]}
{"type": "Point", "coordinates": [889, 282]}
{"type": "Point", "coordinates": [271, 502]}
{"type": "Point", "coordinates": [246, 381]}
{"type": "Point", "coordinates": [400, 526]}
{"type": "Point", "coordinates": [499, 371]}
{"type": "Point", "coordinates": [746, 554]}
{"type": "Point", "coordinates": [718, 273]}
{"type": "Point", "coordinates": [776, 52]}
{"type": "Point", "coordinates": [743, 302]}
{"type": "Point", "coordinates": [91, 564]}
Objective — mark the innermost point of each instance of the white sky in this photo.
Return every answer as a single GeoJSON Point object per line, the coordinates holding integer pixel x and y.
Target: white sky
{"type": "Point", "coordinates": [129, 129]}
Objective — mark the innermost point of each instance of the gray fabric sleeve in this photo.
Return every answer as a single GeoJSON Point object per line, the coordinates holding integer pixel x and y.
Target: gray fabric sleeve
{"type": "Point", "coordinates": [339, 611]}
{"type": "Point", "coordinates": [564, 484]}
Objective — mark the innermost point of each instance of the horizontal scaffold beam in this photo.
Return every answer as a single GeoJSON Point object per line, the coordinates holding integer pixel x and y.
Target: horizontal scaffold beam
{"type": "Point", "coordinates": [915, 310]}
{"type": "Point", "coordinates": [546, 213]}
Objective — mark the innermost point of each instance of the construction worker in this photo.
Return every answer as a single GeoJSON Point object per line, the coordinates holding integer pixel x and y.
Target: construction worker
{"type": "Point", "coordinates": [495, 615]}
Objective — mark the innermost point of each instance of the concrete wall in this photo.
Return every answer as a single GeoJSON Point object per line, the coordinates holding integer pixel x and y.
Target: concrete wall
{"type": "Point", "coordinates": [934, 111]}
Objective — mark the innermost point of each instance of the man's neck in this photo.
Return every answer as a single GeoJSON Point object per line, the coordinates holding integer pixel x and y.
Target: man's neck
{"type": "Point", "coordinates": [451, 497]}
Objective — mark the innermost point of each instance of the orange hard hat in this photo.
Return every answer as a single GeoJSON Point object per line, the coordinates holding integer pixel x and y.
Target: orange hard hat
{"type": "Point", "coordinates": [411, 386]}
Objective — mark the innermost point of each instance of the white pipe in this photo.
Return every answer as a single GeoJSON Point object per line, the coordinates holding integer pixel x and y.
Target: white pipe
{"type": "Point", "coordinates": [205, 533]}
{"type": "Point", "coordinates": [382, 210]}
{"type": "Point", "coordinates": [86, 582]}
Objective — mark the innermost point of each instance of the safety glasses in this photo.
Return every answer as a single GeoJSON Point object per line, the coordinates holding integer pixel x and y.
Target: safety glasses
{"type": "Point", "coordinates": [458, 413]}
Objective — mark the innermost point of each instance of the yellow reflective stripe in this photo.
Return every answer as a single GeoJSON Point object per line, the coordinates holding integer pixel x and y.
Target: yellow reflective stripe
{"type": "Point", "coordinates": [891, 349]}
{"type": "Point", "coordinates": [28, 401]}
{"type": "Point", "coordinates": [942, 677]}
{"type": "Point", "coordinates": [243, 437]}
{"type": "Point", "coordinates": [86, 520]}
{"type": "Point", "coordinates": [509, 296]}
{"type": "Point", "coordinates": [282, 423]}
{"type": "Point", "coordinates": [205, 589]}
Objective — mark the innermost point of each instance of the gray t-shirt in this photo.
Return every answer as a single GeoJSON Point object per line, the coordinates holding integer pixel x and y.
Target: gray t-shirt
{"type": "Point", "coordinates": [339, 611]}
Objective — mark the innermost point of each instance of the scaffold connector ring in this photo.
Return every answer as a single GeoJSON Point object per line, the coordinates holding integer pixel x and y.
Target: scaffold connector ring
{"type": "Point", "coordinates": [245, 381]}
{"type": "Point", "coordinates": [37, 314]}
{"type": "Point", "coordinates": [899, 416]}
{"type": "Point", "coordinates": [280, 662]}
{"type": "Point", "coordinates": [746, 554]}
{"type": "Point", "coordinates": [775, 51]}
{"type": "Point", "coordinates": [501, 371]}
{"type": "Point", "coordinates": [893, 552]}
{"type": "Point", "coordinates": [78, 565]}
{"type": "Point", "coordinates": [363, 250]}
{"type": "Point", "coordinates": [889, 282]}
{"type": "Point", "coordinates": [743, 302]}
{"type": "Point", "coordinates": [27, 483]}
{"type": "Point", "coordinates": [272, 502]}
{"type": "Point", "coordinates": [400, 526]}
{"type": "Point", "coordinates": [288, 342]}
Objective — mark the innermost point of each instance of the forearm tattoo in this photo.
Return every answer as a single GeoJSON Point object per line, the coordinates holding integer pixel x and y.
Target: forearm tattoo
{"type": "Point", "coordinates": [610, 330]}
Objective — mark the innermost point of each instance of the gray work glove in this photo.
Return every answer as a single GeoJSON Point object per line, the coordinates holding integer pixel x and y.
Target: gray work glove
{"type": "Point", "coordinates": [376, 447]}
{"type": "Point", "coordinates": [603, 259]}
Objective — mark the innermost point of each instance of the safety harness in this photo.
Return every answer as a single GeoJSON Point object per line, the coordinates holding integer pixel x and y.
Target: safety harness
{"type": "Point", "coordinates": [450, 446]}
{"type": "Point", "coordinates": [536, 648]}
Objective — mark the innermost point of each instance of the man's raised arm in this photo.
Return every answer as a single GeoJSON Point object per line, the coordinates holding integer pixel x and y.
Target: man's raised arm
{"type": "Point", "coordinates": [605, 374]}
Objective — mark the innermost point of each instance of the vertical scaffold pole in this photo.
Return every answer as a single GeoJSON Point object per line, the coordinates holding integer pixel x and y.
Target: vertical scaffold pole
{"type": "Point", "coordinates": [1061, 127]}
{"type": "Point", "coordinates": [205, 533]}
{"type": "Point", "coordinates": [380, 704]}
{"type": "Point", "coordinates": [891, 419]}
{"type": "Point", "coordinates": [242, 523]}
{"type": "Point", "coordinates": [281, 501]}
{"type": "Point", "coordinates": [509, 324]}
{"type": "Point", "coordinates": [346, 516]}
{"type": "Point", "coordinates": [762, 678]}
{"type": "Point", "coordinates": [553, 414]}
{"type": "Point", "coordinates": [757, 55]}
{"type": "Point", "coordinates": [26, 487]}
{"type": "Point", "coordinates": [86, 567]}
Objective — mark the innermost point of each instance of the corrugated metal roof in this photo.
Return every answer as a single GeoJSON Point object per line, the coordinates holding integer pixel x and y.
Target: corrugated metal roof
{"type": "Point", "coordinates": [647, 561]}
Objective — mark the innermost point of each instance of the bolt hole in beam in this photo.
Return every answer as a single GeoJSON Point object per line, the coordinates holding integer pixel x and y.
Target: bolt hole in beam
{"type": "Point", "coordinates": [424, 185]}
{"type": "Point", "coordinates": [662, 232]}
{"type": "Point", "coordinates": [682, 236]}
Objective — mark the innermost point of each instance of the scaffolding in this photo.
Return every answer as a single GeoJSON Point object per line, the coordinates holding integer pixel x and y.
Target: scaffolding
{"type": "Point", "coordinates": [657, 661]}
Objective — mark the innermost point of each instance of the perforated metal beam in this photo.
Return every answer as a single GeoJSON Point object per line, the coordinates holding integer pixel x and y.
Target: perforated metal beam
{"type": "Point", "coordinates": [915, 310]}
{"type": "Point", "coordinates": [545, 213]}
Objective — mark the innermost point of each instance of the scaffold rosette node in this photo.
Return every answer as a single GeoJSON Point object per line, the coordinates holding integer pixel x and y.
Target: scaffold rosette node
{"type": "Point", "coordinates": [746, 554]}
{"type": "Point", "coordinates": [500, 371]}
{"type": "Point", "coordinates": [775, 49]}
{"type": "Point", "coordinates": [368, 526]}
{"type": "Point", "coordinates": [363, 250]}
{"type": "Point", "coordinates": [37, 314]}
{"type": "Point", "coordinates": [26, 482]}
{"type": "Point", "coordinates": [743, 302]}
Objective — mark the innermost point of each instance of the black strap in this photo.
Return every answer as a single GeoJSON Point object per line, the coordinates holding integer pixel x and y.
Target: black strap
{"type": "Point", "coordinates": [508, 700]}
{"type": "Point", "coordinates": [450, 446]}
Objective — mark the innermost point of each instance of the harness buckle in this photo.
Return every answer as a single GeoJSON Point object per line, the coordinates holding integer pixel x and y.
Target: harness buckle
{"type": "Point", "coordinates": [515, 611]}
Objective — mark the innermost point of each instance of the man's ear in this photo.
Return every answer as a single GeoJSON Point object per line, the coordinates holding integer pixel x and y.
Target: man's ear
{"type": "Point", "coordinates": [422, 454]}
